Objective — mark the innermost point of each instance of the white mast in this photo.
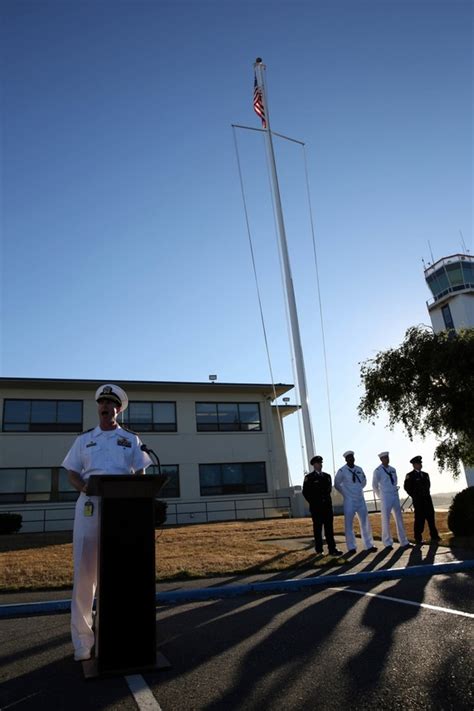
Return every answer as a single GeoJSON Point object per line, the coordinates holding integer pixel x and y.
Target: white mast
{"type": "Point", "coordinates": [290, 292]}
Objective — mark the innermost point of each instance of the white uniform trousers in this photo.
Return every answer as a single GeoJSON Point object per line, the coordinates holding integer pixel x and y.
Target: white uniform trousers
{"type": "Point", "coordinates": [390, 503]}
{"type": "Point", "coordinates": [85, 542]}
{"type": "Point", "coordinates": [351, 508]}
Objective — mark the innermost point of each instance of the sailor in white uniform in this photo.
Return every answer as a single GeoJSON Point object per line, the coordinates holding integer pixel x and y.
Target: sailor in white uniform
{"type": "Point", "coordinates": [350, 481]}
{"type": "Point", "coordinates": [106, 449]}
{"type": "Point", "coordinates": [384, 484]}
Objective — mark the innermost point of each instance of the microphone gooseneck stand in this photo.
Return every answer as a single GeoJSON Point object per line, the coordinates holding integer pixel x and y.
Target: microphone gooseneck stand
{"type": "Point", "coordinates": [153, 456]}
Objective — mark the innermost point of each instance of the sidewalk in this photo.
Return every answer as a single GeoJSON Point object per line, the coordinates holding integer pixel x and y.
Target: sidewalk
{"type": "Point", "coordinates": [427, 559]}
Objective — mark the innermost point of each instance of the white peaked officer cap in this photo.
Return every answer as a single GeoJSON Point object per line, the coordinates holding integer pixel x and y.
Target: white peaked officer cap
{"type": "Point", "coordinates": [114, 393]}
{"type": "Point", "coordinates": [383, 454]}
{"type": "Point", "coordinates": [346, 454]}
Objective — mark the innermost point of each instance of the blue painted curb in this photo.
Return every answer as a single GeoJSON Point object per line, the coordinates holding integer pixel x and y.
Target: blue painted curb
{"type": "Point", "coordinates": [271, 586]}
{"type": "Point", "coordinates": [27, 609]}
{"type": "Point", "coordinates": [275, 586]}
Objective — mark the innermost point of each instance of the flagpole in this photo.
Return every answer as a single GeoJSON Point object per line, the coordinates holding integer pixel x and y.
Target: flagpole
{"type": "Point", "coordinates": [259, 68]}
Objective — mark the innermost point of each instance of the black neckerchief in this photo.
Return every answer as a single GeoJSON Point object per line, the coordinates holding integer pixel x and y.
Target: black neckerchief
{"type": "Point", "coordinates": [354, 475]}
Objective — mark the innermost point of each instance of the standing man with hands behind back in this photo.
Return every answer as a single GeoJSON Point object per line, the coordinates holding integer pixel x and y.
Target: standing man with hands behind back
{"type": "Point", "coordinates": [384, 484]}
{"type": "Point", "coordinates": [317, 488]}
{"type": "Point", "coordinates": [417, 485]}
{"type": "Point", "coordinates": [350, 482]}
{"type": "Point", "coordinates": [105, 449]}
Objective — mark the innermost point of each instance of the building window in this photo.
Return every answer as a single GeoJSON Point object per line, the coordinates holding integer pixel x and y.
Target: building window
{"type": "Point", "coordinates": [38, 484]}
{"type": "Point", "coordinates": [447, 318]}
{"type": "Point", "coordinates": [150, 416]}
{"type": "Point", "coordinates": [171, 488]}
{"type": "Point", "coordinates": [33, 484]}
{"type": "Point", "coordinates": [468, 269]}
{"type": "Point", "coordinates": [224, 479]}
{"type": "Point", "coordinates": [228, 417]}
{"type": "Point", "coordinates": [438, 282]}
{"type": "Point", "coordinates": [64, 490]}
{"type": "Point", "coordinates": [455, 275]}
{"type": "Point", "coordinates": [12, 485]}
{"type": "Point", "coordinates": [42, 416]}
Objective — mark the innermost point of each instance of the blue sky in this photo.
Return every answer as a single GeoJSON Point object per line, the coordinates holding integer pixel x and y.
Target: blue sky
{"type": "Point", "coordinates": [124, 248]}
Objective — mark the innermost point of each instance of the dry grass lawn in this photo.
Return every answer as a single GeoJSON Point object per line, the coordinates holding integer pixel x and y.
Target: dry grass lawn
{"type": "Point", "coordinates": [44, 561]}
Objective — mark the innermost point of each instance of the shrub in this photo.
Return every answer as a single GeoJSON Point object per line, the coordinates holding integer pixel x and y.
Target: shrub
{"type": "Point", "coordinates": [10, 522]}
{"type": "Point", "coordinates": [461, 513]}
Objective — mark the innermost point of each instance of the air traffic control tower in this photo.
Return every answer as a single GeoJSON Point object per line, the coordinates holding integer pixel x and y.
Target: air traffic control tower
{"type": "Point", "coordinates": [451, 281]}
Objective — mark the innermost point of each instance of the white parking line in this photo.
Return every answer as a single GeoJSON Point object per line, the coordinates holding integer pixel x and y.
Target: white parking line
{"type": "Point", "coordinates": [408, 602]}
{"type": "Point", "coordinates": [142, 693]}
{"type": "Point", "coordinates": [19, 701]}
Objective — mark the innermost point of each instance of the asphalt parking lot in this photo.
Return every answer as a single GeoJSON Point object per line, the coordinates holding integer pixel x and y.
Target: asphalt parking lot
{"type": "Point", "coordinates": [399, 643]}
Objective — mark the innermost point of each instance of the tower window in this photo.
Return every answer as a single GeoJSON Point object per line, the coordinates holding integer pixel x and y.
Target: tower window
{"type": "Point", "coordinates": [447, 318]}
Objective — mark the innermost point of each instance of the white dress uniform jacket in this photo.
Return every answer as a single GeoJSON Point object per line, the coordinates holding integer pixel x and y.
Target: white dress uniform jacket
{"type": "Point", "coordinates": [95, 452]}
{"type": "Point", "coordinates": [384, 484]}
{"type": "Point", "coordinates": [350, 483]}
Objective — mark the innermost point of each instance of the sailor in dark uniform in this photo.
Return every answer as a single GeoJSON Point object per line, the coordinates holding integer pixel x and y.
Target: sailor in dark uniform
{"type": "Point", "coordinates": [417, 485]}
{"type": "Point", "coordinates": [317, 488]}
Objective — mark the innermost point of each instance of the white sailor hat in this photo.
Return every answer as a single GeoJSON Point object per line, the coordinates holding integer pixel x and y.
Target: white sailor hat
{"type": "Point", "coordinates": [346, 454]}
{"type": "Point", "coordinates": [114, 393]}
{"type": "Point", "coordinates": [383, 454]}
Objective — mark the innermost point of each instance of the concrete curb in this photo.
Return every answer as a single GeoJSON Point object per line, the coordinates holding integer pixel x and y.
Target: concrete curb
{"type": "Point", "coordinates": [275, 586]}
{"type": "Point", "coordinates": [271, 586]}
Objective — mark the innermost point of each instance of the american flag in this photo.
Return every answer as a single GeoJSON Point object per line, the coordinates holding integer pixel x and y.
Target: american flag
{"type": "Point", "coordinates": [258, 106]}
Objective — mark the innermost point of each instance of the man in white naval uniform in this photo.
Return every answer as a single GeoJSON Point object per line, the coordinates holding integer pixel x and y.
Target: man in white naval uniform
{"type": "Point", "coordinates": [350, 481]}
{"type": "Point", "coordinates": [384, 484]}
{"type": "Point", "coordinates": [106, 449]}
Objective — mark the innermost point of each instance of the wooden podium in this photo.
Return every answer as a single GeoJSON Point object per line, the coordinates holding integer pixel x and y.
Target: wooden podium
{"type": "Point", "coordinates": [125, 624]}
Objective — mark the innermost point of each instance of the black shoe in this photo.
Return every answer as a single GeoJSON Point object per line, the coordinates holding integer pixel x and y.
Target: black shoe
{"type": "Point", "coordinates": [372, 549]}
{"type": "Point", "coordinates": [435, 540]}
{"type": "Point", "coordinates": [335, 551]}
{"type": "Point", "coordinates": [407, 546]}
{"type": "Point", "coordinates": [351, 551]}
{"type": "Point", "coordinates": [319, 552]}
{"type": "Point", "coordinates": [388, 548]}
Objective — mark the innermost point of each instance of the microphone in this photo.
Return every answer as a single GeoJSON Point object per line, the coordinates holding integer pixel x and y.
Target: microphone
{"type": "Point", "coordinates": [153, 456]}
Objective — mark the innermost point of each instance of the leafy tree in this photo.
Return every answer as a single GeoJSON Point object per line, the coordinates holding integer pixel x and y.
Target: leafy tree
{"type": "Point", "coordinates": [427, 385]}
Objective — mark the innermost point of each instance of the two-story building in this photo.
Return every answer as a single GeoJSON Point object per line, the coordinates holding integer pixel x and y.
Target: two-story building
{"type": "Point", "coordinates": [220, 444]}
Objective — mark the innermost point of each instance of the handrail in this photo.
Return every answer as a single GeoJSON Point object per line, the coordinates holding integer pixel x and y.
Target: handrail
{"type": "Point", "coordinates": [183, 512]}
{"type": "Point", "coordinates": [206, 513]}
{"type": "Point", "coordinates": [373, 499]}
